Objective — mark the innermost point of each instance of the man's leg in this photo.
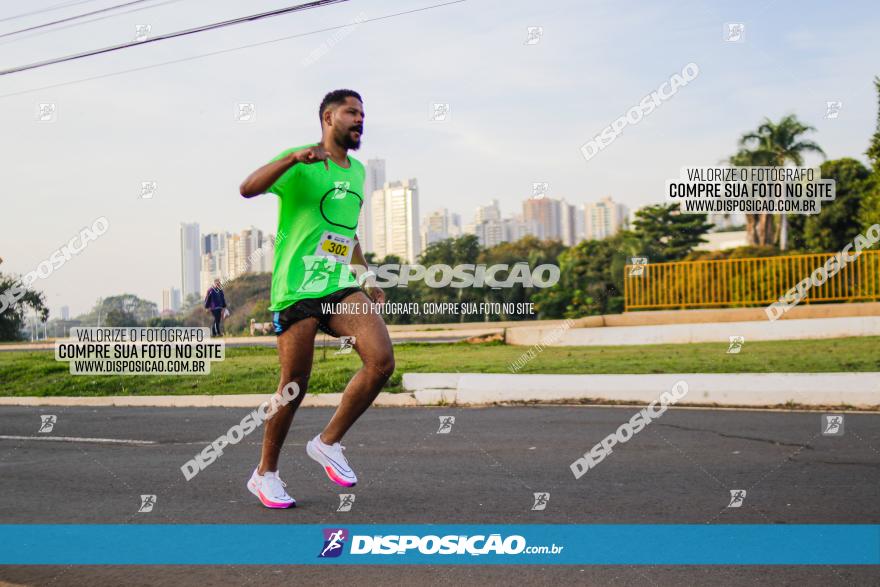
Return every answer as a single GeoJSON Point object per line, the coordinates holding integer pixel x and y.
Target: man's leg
{"type": "Point", "coordinates": [373, 345]}
{"type": "Point", "coordinates": [296, 345]}
{"type": "Point", "coordinates": [215, 327]}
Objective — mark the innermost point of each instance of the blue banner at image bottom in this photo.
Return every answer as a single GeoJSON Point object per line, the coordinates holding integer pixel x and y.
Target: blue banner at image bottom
{"type": "Point", "coordinates": [609, 544]}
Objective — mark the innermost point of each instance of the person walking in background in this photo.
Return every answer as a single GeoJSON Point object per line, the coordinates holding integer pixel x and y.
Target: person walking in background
{"type": "Point", "coordinates": [215, 302]}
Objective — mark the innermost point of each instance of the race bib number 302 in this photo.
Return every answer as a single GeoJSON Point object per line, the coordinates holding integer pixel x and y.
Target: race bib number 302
{"type": "Point", "coordinates": [336, 246]}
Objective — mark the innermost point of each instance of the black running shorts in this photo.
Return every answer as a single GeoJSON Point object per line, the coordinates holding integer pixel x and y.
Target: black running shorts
{"type": "Point", "coordinates": [311, 308]}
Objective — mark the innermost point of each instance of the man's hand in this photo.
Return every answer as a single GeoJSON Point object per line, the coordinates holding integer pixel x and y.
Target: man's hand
{"type": "Point", "coordinates": [313, 155]}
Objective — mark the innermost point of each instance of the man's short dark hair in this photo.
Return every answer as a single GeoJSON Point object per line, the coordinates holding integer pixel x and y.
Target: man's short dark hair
{"type": "Point", "coordinates": [336, 97]}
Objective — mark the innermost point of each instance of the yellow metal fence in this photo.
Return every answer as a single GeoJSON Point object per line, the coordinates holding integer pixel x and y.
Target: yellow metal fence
{"type": "Point", "coordinates": [747, 282]}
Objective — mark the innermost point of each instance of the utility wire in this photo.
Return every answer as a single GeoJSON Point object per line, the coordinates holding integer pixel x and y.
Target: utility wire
{"type": "Point", "coordinates": [76, 24]}
{"type": "Point", "coordinates": [70, 18]}
{"type": "Point", "coordinates": [192, 31]}
{"type": "Point", "coordinates": [230, 50]}
{"type": "Point", "coordinates": [48, 9]}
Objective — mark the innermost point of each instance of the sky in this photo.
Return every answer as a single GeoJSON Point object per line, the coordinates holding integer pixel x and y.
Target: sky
{"type": "Point", "coordinates": [519, 112]}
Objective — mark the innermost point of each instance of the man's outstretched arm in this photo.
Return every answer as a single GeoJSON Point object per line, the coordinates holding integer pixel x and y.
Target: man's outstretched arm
{"type": "Point", "coordinates": [262, 179]}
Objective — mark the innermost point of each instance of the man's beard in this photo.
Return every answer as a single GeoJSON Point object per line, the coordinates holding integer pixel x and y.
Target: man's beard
{"type": "Point", "coordinates": [348, 142]}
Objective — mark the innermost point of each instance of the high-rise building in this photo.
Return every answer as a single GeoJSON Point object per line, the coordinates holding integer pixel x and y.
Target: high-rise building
{"type": "Point", "coordinates": [487, 225]}
{"type": "Point", "coordinates": [248, 247]}
{"type": "Point", "coordinates": [214, 259]}
{"type": "Point", "coordinates": [395, 220]}
{"type": "Point", "coordinates": [226, 256]}
{"type": "Point", "coordinates": [568, 223]}
{"type": "Point", "coordinates": [440, 225]}
{"type": "Point", "coordinates": [190, 262]}
{"type": "Point", "coordinates": [516, 228]}
{"type": "Point", "coordinates": [455, 225]}
{"type": "Point", "coordinates": [65, 313]}
{"type": "Point", "coordinates": [580, 225]}
{"type": "Point", "coordinates": [171, 300]}
{"type": "Point", "coordinates": [490, 212]}
{"type": "Point", "coordinates": [490, 232]}
{"type": "Point", "coordinates": [604, 218]}
{"type": "Point", "coordinates": [373, 180]}
{"type": "Point", "coordinates": [545, 214]}
{"type": "Point", "coordinates": [267, 260]}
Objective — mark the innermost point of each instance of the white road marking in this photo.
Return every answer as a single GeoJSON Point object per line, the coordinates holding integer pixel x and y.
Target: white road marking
{"type": "Point", "coordinates": [78, 439]}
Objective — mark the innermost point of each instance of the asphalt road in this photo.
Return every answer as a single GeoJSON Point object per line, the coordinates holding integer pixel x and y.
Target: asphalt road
{"type": "Point", "coordinates": [679, 469]}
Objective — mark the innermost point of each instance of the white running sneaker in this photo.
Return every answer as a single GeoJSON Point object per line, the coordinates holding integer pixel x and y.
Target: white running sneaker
{"type": "Point", "coordinates": [269, 489]}
{"type": "Point", "coordinates": [333, 461]}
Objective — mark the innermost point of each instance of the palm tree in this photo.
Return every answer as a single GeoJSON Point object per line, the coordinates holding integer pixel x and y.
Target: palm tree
{"type": "Point", "coordinates": [758, 226]}
{"type": "Point", "coordinates": [775, 144]}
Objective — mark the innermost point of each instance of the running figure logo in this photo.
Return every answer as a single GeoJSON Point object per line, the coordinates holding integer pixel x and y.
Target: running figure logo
{"type": "Point", "coordinates": [148, 189]}
{"type": "Point", "coordinates": [346, 500]}
{"type": "Point", "coordinates": [346, 344]}
{"type": "Point", "coordinates": [832, 109]}
{"type": "Point", "coordinates": [446, 423]}
{"type": "Point", "coordinates": [541, 500]}
{"type": "Point", "coordinates": [147, 503]}
{"type": "Point", "coordinates": [47, 112]}
{"type": "Point", "coordinates": [318, 270]}
{"type": "Point", "coordinates": [736, 344]}
{"type": "Point", "coordinates": [540, 189]}
{"type": "Point", "coordinates": [340, 189]}
{"type": "Point", "coordinates": [142, 32]}
{"type": "Point", "coordinates": [334, 541]}
{"type": "Point", "coordinates": [832, 425]}
{"type": "Point", "coordinates": [47, 423]}
{"type": "Point", "coordinates": [734, 32]}
{"type": "Point", "coordinates": [245, 112]}
{"type": "Point", "coordinates": [637, 266]}
{"type": "Point", "coordinates": [736, 498]}
{"type": "Point", "coordinates": [439, 112]}
{"type": "Point", "coordinates": [534, 34]}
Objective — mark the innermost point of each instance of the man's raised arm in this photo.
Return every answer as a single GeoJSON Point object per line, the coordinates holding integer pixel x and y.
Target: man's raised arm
{"type": "Point", "coordinates": [262, 179]}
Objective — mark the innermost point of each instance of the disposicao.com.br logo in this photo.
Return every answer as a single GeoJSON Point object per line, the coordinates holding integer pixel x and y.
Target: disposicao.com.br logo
{"type": "Point", "coordinates": [430, 544]}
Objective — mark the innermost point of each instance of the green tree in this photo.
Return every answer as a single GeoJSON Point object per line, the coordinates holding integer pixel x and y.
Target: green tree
{"type": "Point", "coordinates": [873, 151]}
{"type": "Point", "coordinates": [119, 317]}
{"type": "Point", "coordinates": [591, 279]}
{"type": "Point", "coordinates": [869, 211]}
{"type": "Point", "coordinates": [128, 308]}
{"type": "Point", "coordinates": [16, 300]}
{"type": "Point", "coordinates": [778, 143]}
{"type": "Point", "coordinates": [528, 250]}
{"type": "Point", "coordinates": [464, 250]}
{"type": "Point", "coordinates": [838, 222]}
{"type": "Point", "coordinates": [757, 225]}
{"type": "Point", "coordinates": [662, 233]}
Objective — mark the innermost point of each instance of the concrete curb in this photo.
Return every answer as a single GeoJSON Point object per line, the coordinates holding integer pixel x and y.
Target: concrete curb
{"type": "Point", "coordinates": [861, 390]}
{"type": "Point", "coordinates": [724, 389]}
{"type": "Point", "coordinates": [247, 400]}
{"type": "Point", "coordinates": [813, 328]}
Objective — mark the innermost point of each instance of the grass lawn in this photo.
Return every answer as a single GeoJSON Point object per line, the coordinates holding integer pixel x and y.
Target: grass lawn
{"type": "Point", "coordinates": [255, 369]}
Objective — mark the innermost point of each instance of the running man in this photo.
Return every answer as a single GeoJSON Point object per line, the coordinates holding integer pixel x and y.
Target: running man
{"type": "Point", "coordinates": [320, 196]}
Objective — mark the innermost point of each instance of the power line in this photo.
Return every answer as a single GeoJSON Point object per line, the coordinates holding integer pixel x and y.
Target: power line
{"type": "Point", "coordinates": [70, 18]}
{"type": "Point", "coordinates": [76, 24]}
{"type": "Point", "coordinates": [207, 27]}
{"type": "Point", "coordinates": [48, 9]}
{"type": "Point", "coordinates": [230, 50]}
